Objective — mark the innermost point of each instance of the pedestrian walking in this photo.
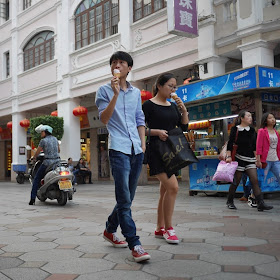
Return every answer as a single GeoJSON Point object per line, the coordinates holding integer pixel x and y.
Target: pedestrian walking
{"type": "Point", "coordinates": [162, 116]}
{"type": "Point", "coordinates": [268, 146]}
{"type": "Point", "coordinates": [246, 158]}
{"type": "Point", "coordinates": [119, 106]}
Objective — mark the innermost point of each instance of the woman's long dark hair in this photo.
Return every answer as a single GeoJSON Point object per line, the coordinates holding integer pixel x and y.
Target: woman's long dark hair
{"type": "Point", "coordinates": [264, 120]}
{"type": "Point", "coordinates": [161, 80]}
{"type": "Point", "coordinates": [240, 115]}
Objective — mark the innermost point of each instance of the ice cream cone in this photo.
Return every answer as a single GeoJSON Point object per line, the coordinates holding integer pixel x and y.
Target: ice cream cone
{"type": "Point", "coordinates": [117, 73]}
{"type": "Point", "coordinates": [173, 95]}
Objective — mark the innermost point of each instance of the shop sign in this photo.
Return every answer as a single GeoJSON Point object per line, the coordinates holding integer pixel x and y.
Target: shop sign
{"type": "Point", "coordinates": [199, 125]}
{"type": "Point", "coordinates": [233, 82]}
{"type": "Point", "coordinates": [269, 77]}
{"type": "Point", "coordinates": [210, 110]}
{"type": "Point", "coordinates": [6, 134]}
{"type": "Point", "coordinates": [182, 18]}
{"type": "Point", "coordinates": [271, 97]}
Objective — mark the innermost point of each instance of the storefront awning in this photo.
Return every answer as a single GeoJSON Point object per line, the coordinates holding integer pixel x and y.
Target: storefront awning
{"type": "Point", "coordinates": [257, 77]}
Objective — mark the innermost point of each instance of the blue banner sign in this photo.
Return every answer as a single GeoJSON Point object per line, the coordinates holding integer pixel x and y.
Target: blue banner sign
{"type": "Point", "coordinates": [202, 174]}
{"type": "Point", "coordinates": [233, 82]}
{"type": "Point", "coordinates": [269, 77]}
{"type": "Point", "coordinates": [210, 110]}
{"type": "Point", "coordinates": [271, 97]}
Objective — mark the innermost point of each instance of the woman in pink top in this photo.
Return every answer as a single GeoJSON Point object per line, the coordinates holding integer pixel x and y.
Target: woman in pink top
{"type": "Point", "coordinates": [268, 146]}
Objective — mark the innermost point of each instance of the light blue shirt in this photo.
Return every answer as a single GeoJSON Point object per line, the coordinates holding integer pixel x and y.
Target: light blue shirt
{"type": "Point", "coordinates": [127, 116]}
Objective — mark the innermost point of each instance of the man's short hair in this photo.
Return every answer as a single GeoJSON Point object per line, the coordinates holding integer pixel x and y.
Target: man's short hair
{"type": "Point", "coordinates": [122, 56]}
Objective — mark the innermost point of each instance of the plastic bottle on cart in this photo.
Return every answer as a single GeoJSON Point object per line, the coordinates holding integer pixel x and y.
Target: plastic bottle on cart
{"type": "Point", "coordinates": [206, 176]}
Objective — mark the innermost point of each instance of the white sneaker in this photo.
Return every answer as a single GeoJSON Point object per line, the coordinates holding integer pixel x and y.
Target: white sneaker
{"type": "Point", "coordinates": [170, 236]}
{"type": "Point", "coordinates": [139, 254]}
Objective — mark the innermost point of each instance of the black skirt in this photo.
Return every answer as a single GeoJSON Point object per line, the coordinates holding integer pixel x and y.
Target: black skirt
{"type": "Point", "coordinates": [156, 165]}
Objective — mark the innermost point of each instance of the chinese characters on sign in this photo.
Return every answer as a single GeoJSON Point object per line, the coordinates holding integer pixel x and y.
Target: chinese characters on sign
{"type": "Point", "coordinates": [269, 77]}
{"type": "Point", "coordinates": [182, 17]}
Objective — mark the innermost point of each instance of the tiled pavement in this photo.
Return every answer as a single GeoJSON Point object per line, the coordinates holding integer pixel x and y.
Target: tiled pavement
{"type": "Point", "coordinates": [50, 242]}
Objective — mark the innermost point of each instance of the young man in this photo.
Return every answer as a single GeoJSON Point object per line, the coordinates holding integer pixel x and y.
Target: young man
{"type": "Point", "coordinates": [119, 106]}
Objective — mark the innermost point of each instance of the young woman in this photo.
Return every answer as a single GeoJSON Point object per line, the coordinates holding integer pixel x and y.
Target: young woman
{"type": "Point", "coordinates": [162, 116]}
{"type": "Point", "coordinates": [245, 156]}
{"type": "Point", "coordinates": [268, 146]}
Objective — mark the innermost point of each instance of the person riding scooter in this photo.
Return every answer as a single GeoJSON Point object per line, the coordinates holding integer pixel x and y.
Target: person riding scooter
{"type": "Point", "coordinates": [50, 146]}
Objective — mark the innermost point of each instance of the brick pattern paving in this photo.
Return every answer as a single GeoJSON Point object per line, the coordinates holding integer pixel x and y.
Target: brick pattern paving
{"type": "Point", "coordinates": [49, 242]}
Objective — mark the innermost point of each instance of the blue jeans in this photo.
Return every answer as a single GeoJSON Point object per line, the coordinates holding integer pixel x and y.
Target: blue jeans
{"type": "Point", "coordinates": [274, 167]}
{"type": "Point", "coordinates": [126, 170]}
{"type": "Point", "coordinates": [36, 182]}
{"type": "Point", "coordinates": [75, 173]}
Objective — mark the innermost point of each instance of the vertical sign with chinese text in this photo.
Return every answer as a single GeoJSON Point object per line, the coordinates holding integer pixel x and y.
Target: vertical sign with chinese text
{"type": "Point", "coordinates": [182, 17]}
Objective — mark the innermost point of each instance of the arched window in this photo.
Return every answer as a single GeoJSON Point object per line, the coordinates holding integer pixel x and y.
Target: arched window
{"type": "Point", "coordinates": [143, 8]}
{"type": "Point", "coordinates": [95, 20]}
{"type": "Point", "coordinates": [39, 49]}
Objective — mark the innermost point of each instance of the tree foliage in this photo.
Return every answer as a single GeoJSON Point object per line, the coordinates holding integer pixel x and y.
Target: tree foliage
{"type": "Point", "coordinates": [56, 123]}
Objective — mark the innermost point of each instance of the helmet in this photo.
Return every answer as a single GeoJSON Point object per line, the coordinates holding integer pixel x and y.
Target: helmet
{"type": "Point", "coordinates": [42, 127]}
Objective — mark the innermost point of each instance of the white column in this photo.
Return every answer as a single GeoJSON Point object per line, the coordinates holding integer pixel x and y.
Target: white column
{"type": "Point", "coordinates": [18, 132]}
{"type": "Point", "coordinates": [215, 66]}
{"type": "Point", "coordinates": [19, 140]}
{"type": "Point", "coordinates": [206, 42]}
{"type": "Point", "coordinates": [259, 52]}
{"type": "Point", "coordinates": [126, 18]}
{"type": "Point", "coordinates": [249, 13]}
{"type": "Point", "coordinates": [70, 143]}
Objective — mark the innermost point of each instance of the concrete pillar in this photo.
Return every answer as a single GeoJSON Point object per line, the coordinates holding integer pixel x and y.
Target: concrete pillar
{"type": "Point", "coordinates": [19, 140]}
{"type": "Point", "coordinates": [70, 143]}
{"type": "Point", "coordinates": [206, 43]}
{"type": "Point", "coordinates": [215, 66]}
{"type": "Point", "coordinates": [126, 18]}
{"type": "Point", "coordinates": [94, 153]}
{"type": "Point", "coordinates": [258, 106]}
{"type": "Point", "coordinates": [259, 52]}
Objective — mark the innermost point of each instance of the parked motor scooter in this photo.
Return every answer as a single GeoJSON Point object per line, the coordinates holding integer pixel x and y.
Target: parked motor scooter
{"type": "Point", "coordinates": [57, 182]}
{"type": "Point", "coordinates": [23, 172]}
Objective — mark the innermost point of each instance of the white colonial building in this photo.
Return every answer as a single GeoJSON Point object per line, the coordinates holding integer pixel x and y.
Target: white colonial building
{"type": "Point", "coordinates": [54, 54]}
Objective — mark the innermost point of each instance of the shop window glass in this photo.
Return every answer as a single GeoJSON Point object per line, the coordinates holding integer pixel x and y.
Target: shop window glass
{"type": "Point", "coordinates": [95, 20]}
{"type": "Point", "coordinates": [39, 49]}
{"type": "Point", "coordinates": [143, 8]}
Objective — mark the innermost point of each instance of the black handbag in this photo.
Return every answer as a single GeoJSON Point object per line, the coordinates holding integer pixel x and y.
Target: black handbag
{"type": "Point", "coordinates": [146, 154]}
{"type": "Point", "coordinates": [175, 152]}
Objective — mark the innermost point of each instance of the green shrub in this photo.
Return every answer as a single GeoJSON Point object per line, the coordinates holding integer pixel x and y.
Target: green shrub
{"type": "Point", "coordinates": [55, 122]}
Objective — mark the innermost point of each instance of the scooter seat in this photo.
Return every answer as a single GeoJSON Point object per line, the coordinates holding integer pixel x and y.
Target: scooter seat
{"type": "Point", "coordinates": [51, 167]}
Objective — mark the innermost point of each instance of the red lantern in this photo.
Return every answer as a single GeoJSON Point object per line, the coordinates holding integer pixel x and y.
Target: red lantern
{"type": "Point", "coordinates": [10, 125]}
{"type": "Point", "coordinates": [25, 123]}
{"type": "Point", "coordinates": [54, 114]}
{"type": "Point", "coordinates": [145, 95]}
{"type": "Point", "coordinates": [80, 111]}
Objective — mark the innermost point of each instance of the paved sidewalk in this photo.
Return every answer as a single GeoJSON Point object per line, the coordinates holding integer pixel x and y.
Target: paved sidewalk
{"type": "Point", "coordinates": [47, 241]}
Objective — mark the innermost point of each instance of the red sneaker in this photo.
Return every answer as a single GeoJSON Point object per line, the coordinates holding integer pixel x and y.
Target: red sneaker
{"type": "Point", "coordinates": [159, 234]}
{"type": "Point", "coordinates": [170, 236]}
{"type": "Point", "coordinates": [139, 254]}
{"type": "Point", "coordinates": [114, 239]}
